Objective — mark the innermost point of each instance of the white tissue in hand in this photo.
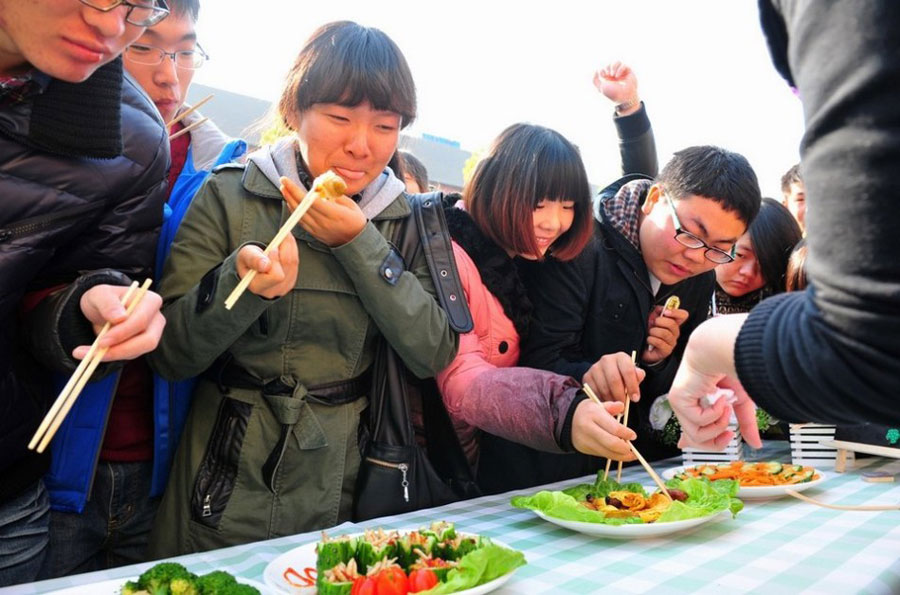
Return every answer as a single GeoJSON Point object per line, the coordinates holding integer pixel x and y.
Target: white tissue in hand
{"type": "Point", "coordinates": [710, 400]}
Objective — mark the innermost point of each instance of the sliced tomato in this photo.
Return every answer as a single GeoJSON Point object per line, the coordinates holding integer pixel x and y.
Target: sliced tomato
{"type": "Point", "coordinates": [391, 581]}
{"type": "Point", "coordinates": [422, 580]}
{"type": "Point", "coordinates": [364, 585]}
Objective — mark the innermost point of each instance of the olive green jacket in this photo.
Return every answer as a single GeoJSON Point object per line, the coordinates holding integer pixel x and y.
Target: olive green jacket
{"type": "Point", "coordinates": [252, 466]}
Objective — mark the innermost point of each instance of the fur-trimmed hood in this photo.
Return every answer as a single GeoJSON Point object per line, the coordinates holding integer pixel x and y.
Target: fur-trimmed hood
{"type": "Point", "coordinates": [498, 271]}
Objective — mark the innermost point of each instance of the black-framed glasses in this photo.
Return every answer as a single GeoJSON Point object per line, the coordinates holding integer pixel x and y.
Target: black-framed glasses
{"type": "Point", "coordinates": [153, 56]}
{"type": "Point", "coordinates": [143, 13]}
{"type": "Point", "coordinates": [689, 240]}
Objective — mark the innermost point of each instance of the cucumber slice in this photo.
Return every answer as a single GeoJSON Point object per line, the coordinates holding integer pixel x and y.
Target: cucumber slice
{"type": "Point", "coordinates": [805, 476]}
{"type": "Point", "coordinates": [774, 468]}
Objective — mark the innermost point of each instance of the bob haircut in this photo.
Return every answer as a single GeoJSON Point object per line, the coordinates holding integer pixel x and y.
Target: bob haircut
{"type": "Point", "coordinates": [348, 64]}
{"type": "Point", "coordinates": [774, 233]}
{"type": "Point", "coordinates": [528, 164]}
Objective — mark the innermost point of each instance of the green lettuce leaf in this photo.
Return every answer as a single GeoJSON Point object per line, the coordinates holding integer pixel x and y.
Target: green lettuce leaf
{"type": "Point", "coordinates": [704, 498]}
{"type": "Point", "coordinates": [563, 506]}
{"type": "Point", "coordinates": [478, 567]}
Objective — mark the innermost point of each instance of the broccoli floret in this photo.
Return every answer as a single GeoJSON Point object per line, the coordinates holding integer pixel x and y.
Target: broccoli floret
{"type": "Point", "coordinates": [215, 583]}
{"type": "Point", "coordinates": [131, 588]}
{"type": "Point", "coordinates": [183, 586]}
{"type": "Point", "coordinates": [156, 580]}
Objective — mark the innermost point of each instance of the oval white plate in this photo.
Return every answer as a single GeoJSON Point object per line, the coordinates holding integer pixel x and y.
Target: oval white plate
{"type": "Point", "coordinates": [304, 556]}
{"type": "Point", "coordinates": [114, 587]}
{"type": "Point", "coordinates": [760, 492]}
{"type": "Point", "coordinates": [636, 531]}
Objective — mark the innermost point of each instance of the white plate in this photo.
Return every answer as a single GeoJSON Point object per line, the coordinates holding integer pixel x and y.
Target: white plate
{"type": "Point", "coordinates": [635, 531]}
{"type": "Point", "coordinates": [760, 492]}
{"type": "Point", "coordinates": [304, 556]}
{"type": "Point", "coordinates": [114, 587]}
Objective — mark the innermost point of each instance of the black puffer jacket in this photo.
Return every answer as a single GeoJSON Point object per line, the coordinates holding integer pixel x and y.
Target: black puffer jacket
{"type": "Point", "coordinates": [82, 184]}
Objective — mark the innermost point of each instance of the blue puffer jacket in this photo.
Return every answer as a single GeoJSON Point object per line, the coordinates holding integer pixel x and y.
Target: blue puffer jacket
{"type": "Point", "coordinates": [76, 447]}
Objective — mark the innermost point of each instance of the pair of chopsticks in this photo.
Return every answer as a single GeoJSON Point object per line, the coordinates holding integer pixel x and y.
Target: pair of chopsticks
{"type": "Point", "coordinates": [656, 478]}
{"type": "Point", "coordinates": [328, 185]}
{"type": "Point", "coordinates": [183, 115]}
{"type": "Point", "coordinates": [79, 379]}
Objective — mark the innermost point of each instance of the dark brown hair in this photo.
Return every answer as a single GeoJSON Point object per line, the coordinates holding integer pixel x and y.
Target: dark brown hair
{"type": "Point", "coordinates": [347, 64]}
{"type": "Point", "coordinates": [528, 164]}
{"type": "Point", "coordinates": [774, 233]}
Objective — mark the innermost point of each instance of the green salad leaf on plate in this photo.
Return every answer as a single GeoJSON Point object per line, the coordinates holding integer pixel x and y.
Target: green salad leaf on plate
{"type": "Point", "coordinates": [704, 498]}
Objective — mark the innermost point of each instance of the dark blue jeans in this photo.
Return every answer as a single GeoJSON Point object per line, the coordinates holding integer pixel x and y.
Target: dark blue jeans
{"type": "Point", "coordinates": [24, 534]}
{"type": "Point", "coordinates": [114, 527]}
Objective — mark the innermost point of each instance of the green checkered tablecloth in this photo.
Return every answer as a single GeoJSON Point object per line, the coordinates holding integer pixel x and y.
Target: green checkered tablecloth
{"type": "Point", "coordinates": [772, 547]}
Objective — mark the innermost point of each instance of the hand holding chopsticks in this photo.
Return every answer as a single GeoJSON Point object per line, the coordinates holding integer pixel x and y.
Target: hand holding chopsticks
{"type": "Point", "coordinates": [79, 379]}
{"type": "Point", "coordinates": [329, 186]}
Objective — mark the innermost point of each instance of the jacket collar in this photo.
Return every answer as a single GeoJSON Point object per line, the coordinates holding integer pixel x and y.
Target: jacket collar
{"type": "Point", "coordinates": [72, 119]}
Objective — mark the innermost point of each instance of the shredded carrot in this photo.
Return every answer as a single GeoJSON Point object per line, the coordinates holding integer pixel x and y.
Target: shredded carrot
{"type": "Point", "coordinates": [307, 579]}
{"type": "Point", "coordinates": [751, 474]}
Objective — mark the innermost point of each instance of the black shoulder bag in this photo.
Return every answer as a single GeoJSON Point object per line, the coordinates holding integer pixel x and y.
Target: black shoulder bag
{"type": "Point", "coordinates": [397, 474]}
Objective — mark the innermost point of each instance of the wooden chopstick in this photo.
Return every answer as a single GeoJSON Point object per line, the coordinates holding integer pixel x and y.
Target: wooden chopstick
{"type": "Point", "coordinates": [187, 129]}
{"type": "Point", "coordinates": [800, 496]}
{"type": "Point", "coordinates": [627, 405]}
{"type": "Point", "coordinates": [301, 209]}
{"type": "Point", "coordinates": [593, 397]}
{"type": "Point", "coordinates": [83, 380]}
{"type": "Point", "coordinates": [650, 471]}
{"type": "Point", "coordinates": [187, 112]}
{"type": "Point", "coordinates": [82, 366]}
{"type": "Point", "coordinates": [656, 478]}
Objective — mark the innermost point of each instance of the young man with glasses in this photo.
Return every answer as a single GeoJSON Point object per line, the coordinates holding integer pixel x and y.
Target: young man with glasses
{"type": "Point", "coordinates": [654, 239]}
{"type": "Point", "coordinates": [163, 61]}
{"type": "Point", "coordinates": [82, 175]}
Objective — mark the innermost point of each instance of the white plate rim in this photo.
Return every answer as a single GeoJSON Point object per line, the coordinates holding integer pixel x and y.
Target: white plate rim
{"type": "Point", "coordinates": [272, 574]}
{"type": "Point", "coordinates": [759, 492]}
{"type": "Point", "coordinates": [635, 530]}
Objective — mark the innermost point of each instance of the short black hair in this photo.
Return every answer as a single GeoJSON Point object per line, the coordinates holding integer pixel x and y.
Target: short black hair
{"type": "Point", "coordinates": [720, 175]}
{"type": "Point", "coordinates": [791, 176]}
{"type": "Point", "coordinates": [415, 168]}
{"type": "Point", "coordinates": [181, 8]}
{"type": "Point", "coordinates": [774, 233]}
{"type": "Point", "coordinates": [345, 63]}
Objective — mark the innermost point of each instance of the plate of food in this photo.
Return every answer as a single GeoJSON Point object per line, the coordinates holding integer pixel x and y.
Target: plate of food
{"type": "Point", "coordinates": [608, 509]}
{"type": "Point", "coordinates": [769, 479]}
{"type": "Point", "coordinates": [169, 577]}
{"type": "Point", "coordinates": [436, 557]}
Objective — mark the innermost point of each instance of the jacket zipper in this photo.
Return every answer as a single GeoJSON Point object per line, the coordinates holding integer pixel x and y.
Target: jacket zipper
{"type": "Point", "coordinates": [207, 506]}
{"type": "Point", "coordinates": [35, 224]}
{"type": "Point", "coordinates": [402, 467]}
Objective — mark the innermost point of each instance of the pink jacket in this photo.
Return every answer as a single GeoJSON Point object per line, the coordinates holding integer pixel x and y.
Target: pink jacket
{"type": "Point", "coordinates": [483, 390]}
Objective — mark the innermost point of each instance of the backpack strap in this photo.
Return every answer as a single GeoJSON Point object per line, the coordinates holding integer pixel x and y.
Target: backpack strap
{"type": "Point", "coordinates": [434, 238]}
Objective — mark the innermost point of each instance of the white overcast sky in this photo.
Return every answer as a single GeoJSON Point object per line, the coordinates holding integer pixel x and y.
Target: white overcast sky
{"type": "Point", "coordinates": [702, 65]}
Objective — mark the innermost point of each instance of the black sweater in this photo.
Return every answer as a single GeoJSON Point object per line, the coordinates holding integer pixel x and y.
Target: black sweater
{"type": "Point", "coordinates": [832, 353]}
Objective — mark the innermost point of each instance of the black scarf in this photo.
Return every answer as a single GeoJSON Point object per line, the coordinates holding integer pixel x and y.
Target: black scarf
{"type": "Point", "coordinates": [80, 119]}
{"type": "Point", "coordinates": [497, 269]}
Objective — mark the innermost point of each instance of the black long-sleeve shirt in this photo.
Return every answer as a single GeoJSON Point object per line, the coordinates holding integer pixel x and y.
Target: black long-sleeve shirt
{"type": "Point", "coordinates": [832, 353]}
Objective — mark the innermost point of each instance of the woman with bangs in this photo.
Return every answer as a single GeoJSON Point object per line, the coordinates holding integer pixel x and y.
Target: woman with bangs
{"type": "Point", "coordinates": [529, 198]}
{"type": "Point", "coordinates": [270, 446]}
{"type": "Point", "coordinates": [760, 261]}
